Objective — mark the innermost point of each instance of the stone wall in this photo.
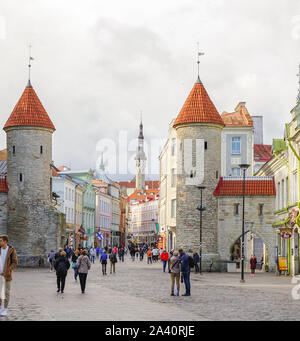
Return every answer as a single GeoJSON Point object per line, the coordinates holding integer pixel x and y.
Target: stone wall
{"type": "Point", "coordinates": [188, 196]}
{"type": "Point", "coordinates": [3, 213]}
{"type": "Point", "coordinates": [230, 225]}
{"type": "Point", "coordinates": [34, 230]}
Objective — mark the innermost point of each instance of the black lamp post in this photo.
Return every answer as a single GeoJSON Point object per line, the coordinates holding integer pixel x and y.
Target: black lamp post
{"type": "Point", "coordinates": [244, 167]}
{"type": "Point", "coordinates": [201, 208]}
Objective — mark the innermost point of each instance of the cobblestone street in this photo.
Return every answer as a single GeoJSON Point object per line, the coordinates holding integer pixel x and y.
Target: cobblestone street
{"type": "Point", "coordinates": [142, 292]}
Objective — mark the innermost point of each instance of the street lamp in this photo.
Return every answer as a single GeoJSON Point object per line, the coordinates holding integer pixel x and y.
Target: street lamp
{"type": "Point", "coordinates": [201, 208]}
{"type": "Point", "coordinates": [244, 167]}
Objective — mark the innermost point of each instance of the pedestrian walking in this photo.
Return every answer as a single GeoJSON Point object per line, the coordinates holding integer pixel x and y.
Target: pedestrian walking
{"type": "Point", "coordinates": [121, 254]}
{"type": "Point", "coordinates": [132, 253]}
{"type": "Point", "coordinates": [8, 262]}
{"type": "Point", "coordinates": [92, 254]}
{"type": "Point", "coordinates": [196, 261]}
{"type": "Point", "coordinates": [164, 257]}
{"type": "Point", "coordinates": [60, 249]}
{"type": "Point", "coordinates": [103, 261]}
{"type": "Point", "coordinates": [74, 264]}
{"type": "Point", "coordinates": [185, 271]}
{"type": "Point", "coordinates": [51, 259]}
{"type": "Point", "coordinates": [149, 256]}
{"type": "Point", "coordinates": [61, 266]}
{"type": "Point", "coordinates": [97, 252]}
{"type": "Point", "coordinates": [141, 254]}
{"type": "Point", "coordinates": [175, 273]}
{"type": "Point", "coordinates": [253, 262]}
{"type": "Point", "coordinates": [83, 265]}
{"type": "Point", "coordinates": [113, 260]}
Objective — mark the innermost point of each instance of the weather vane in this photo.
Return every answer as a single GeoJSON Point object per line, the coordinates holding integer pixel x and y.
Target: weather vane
{"type": "Point", "coordinates": [29, 64]}
{"type": "Point", "coordinates": [298, 97]}
{"type": "Point", "coordinates": [198, 60]}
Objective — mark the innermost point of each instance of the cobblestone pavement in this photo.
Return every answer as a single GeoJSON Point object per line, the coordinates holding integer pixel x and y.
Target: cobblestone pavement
{"type": "Point", "coordinates": [139, 291]}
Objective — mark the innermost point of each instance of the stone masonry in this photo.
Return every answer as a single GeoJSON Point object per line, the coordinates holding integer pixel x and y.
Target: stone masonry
{"type": "Point", "coordinates": [188, 196]}
{"type": "Point", "coordinates": [230, 225]}
{"type": "Point", "coordinates": [34, 226]}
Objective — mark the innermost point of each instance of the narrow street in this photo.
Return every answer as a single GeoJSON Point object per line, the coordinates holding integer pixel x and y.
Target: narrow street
{"type": "Point", "coordinates": [140, 292]}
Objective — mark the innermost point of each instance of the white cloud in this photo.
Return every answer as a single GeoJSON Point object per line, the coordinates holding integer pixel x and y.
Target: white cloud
{"type": "Point", "coordinates": [98, 63]}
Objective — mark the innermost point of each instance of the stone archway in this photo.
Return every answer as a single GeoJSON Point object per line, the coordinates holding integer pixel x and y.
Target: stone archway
{"type": "Point", "coordinates": [254, 244]}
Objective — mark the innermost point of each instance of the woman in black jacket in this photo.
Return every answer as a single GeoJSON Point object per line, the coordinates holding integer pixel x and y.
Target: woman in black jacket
{"type": "Point", "coordinates": [61, 266]}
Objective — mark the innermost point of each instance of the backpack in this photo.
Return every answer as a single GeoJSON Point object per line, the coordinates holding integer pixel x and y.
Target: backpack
{"type": "Point", "coordinates": [191, 261]}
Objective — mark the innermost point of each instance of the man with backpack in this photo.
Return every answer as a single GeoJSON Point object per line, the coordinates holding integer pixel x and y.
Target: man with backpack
{"type": "Point", "coordinates": [113, 260]}
{"type": "Point", "coordinates": [185, 261]}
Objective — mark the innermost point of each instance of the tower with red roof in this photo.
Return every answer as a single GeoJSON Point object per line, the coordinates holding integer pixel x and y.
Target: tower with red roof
{"type": "Point", "coordinates": [199, 128]}
{"type": "Point", "coordinates": [32, 223]}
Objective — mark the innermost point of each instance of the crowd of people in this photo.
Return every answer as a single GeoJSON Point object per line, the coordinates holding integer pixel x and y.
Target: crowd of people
{"type": "Point", "coordinates": [179, 265]}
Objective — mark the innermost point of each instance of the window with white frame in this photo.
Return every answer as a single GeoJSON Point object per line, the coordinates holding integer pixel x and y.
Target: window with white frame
{"type": "Point", "coordinates": [235, 171]}
{"type": "Point", "coordinates": [173, 208]}
{"type": "Point", "coordinates": [236, 145]}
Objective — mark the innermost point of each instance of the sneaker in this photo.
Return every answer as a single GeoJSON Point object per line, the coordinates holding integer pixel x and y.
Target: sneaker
{"type": "Point", "coordinates": [58, 290]}
{"type": "Point", "coordinates": [4, 312]}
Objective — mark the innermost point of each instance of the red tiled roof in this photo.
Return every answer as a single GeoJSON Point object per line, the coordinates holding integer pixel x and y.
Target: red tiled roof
{"type": "Point", "coordinates": [239, 118]}
{"type": "Point", "coordinates": [262, 152]}
{"type": "Point", "coordinates": [198, 108]}
{"type": "Point", "coordinates": [29, 111]}
{"type": "Point", "coordinates": [255, 186]}
{"type": "Point", "coordinates": [147, 194]}
{"type": "Point", "coordinates": [152, 184]}
{"type": "Point", "coordinates": [3, 185]}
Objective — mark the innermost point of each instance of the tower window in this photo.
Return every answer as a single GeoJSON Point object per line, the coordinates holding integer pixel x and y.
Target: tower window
{"type": "Point", "coordinates": [41, 150]}
{"type": "Point", "coordinates": [21, 177]}
{"type": "Point", "coordinates": [205, 145]}
{"type": "Point", "coordinates": [14, 149]}
{"type": "Point", "coordinates": [261, 208]}
{"type": "Point", "coordinates": [236, 209]}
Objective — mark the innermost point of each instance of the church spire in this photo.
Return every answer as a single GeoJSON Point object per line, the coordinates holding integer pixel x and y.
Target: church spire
{"type": "Point", "coordinates": [29, 66]}
{"type": "Point", "coordinates": [141, 135]}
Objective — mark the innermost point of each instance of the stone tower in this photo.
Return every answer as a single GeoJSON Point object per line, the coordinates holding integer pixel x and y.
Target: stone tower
{"type": "Point", "coordinates": [199, 127]}
{"type": "Point", "coordinates": [140, 162]}
{"type": "Point", "coordinates": [33, 223]}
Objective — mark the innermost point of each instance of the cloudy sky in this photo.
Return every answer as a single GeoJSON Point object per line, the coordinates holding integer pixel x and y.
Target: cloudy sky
{"type": "Point", "coordinates": [98, 64]}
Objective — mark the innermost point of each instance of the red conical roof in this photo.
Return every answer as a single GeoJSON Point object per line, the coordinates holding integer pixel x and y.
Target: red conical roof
{"type": "Point", "coordinates": [198, 108]}
{"type": "Point", "coordinates": [29, 111]}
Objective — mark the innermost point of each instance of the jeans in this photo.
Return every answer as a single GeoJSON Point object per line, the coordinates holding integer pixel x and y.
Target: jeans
{"type": "Point", "coordinates": [82, 279]}
{"type": "Point", "coordinates": [173, 278]}
{"type": "Point", "coordinates": [7, 292]}
{"type": "Point", "coordinates": [61, 280]}
{"type": "Point", "coordinates": [196, 267]}
{"type": "Point", "coordinates": [121, 258]}
{"type": "Point", "coordinates": [186, 278]}
{"type": "Point", "coordinates": [93, 259]}
{"type": "Point", "coordinates": [164, 265]}
{"type": "Point", "coordinates": [149, 260]}
{"type": "Point", "coordinates": [75, 274]}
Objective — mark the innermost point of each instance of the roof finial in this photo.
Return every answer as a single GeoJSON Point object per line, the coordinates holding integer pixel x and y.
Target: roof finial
{"type": "Point", "coordinates": [29, 65]}
{"type": "Point", "coordinates": [198, 62]}
{"type": "Point", "coordinates": [298, 97]}
{"type": "Point", "coordinates": [102, 167]}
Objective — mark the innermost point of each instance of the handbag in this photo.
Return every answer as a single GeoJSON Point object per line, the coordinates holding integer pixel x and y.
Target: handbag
{"type": "Point", "coordinates": [74, 265]}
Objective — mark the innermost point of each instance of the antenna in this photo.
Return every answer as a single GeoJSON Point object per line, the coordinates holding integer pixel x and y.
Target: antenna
{"type": "Point", "coordinates": [198, 59]}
